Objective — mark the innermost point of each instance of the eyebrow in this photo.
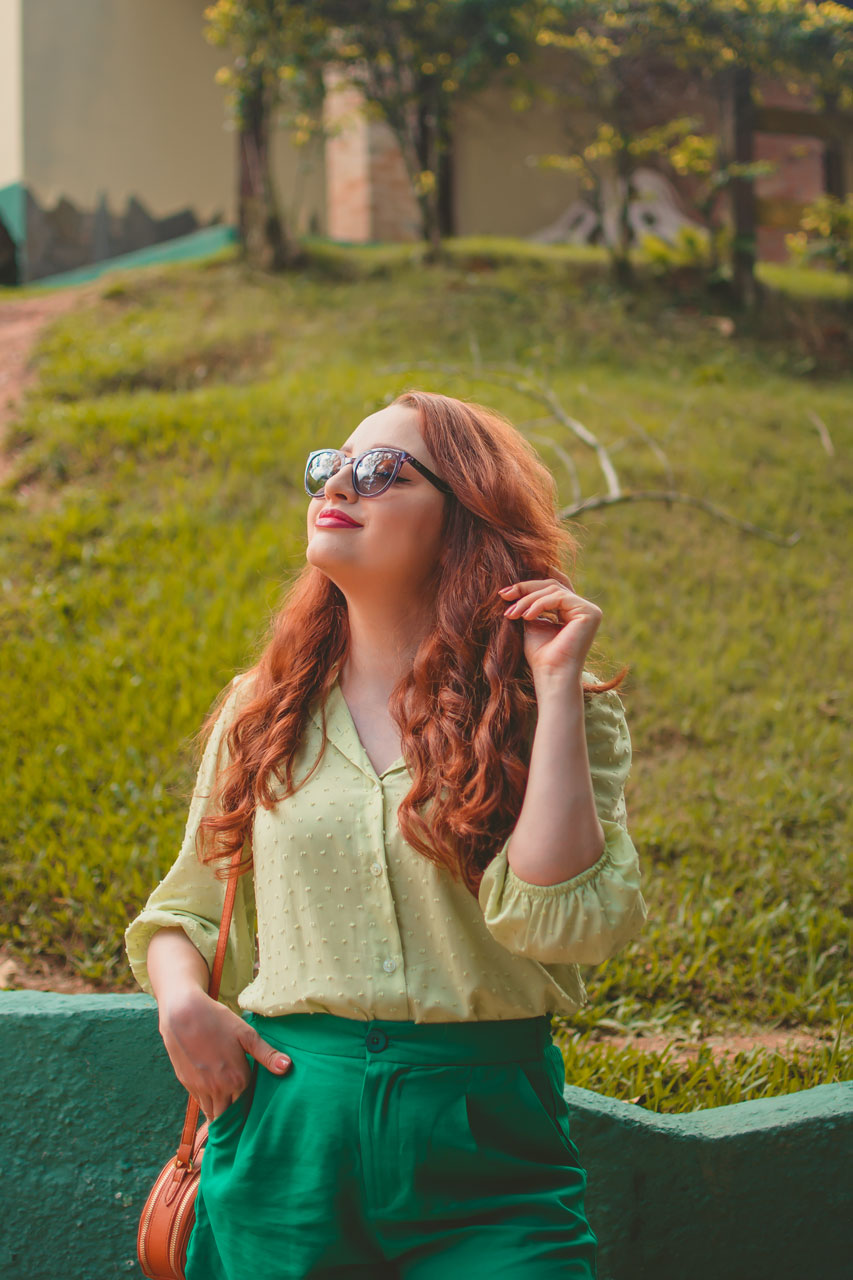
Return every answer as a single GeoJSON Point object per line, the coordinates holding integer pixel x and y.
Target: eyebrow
{"type": "Point", "coordinates": [380, 444]}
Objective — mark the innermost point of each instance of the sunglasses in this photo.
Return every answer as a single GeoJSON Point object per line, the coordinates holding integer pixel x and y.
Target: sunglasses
{"type": "Point", "coordinates": [373, 471]}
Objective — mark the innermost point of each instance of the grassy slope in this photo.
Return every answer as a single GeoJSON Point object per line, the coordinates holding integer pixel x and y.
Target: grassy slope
{"type": "Point", "coordinates": [157, 509]}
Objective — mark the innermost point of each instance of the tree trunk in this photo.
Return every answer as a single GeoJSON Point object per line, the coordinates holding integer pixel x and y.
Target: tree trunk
{"type": "Point", "coordinates": [621, 256]}
{"type": "Point", "coordinates": [834, 177]}
{"type": "Point", "coordinates": [740, 145]}
{"type": "Point", "coordinates": [445, 175]}
{"type": "Point", "coordinates": [263, 235]}
{"type": "Point", "coordinates": [446, 190]}
{"type": "Point", "coordinates": [427, 147]}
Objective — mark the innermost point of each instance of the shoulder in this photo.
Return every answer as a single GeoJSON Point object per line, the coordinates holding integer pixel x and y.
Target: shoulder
{"type": "Point", "coordinates": [231, 700]}
{"type": "Point", "coordinates": [241, 689]}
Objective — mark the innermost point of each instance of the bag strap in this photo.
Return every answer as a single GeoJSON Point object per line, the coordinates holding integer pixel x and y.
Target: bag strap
{"type": "Point", "coordinates": [183, 1157]}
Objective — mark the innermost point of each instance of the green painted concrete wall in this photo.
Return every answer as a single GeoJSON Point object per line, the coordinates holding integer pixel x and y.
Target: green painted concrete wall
{"type": "Point", "coordinates": [12, 205]}
{"type": "Point", "coordinates": [198, 244]}
{"type": "Point", "coordinates": [758, 1191]}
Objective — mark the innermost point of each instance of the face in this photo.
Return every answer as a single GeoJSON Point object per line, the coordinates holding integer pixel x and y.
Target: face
{"type": "Point", "coordinates": [397, 542]}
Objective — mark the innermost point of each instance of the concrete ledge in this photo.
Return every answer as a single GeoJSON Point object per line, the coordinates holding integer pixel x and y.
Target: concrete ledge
{"type": "Point", "coordinates": [758, 1191]}
{"type": "Point", "coordinates": [761, 1190]}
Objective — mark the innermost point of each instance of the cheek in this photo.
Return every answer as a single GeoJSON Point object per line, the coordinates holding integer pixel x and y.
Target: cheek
{"type": "Point", "coordinates": [422, 537]}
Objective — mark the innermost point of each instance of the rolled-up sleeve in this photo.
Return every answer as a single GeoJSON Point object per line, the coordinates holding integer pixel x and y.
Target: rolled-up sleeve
{"type": "Point", "coordinates": [190, 896]}
{"type": "Point", "coordinates": [588, 918]}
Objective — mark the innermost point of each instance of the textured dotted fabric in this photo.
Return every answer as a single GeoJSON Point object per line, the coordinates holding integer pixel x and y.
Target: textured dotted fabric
{"type": "Point", "coordinates": [341, 915]}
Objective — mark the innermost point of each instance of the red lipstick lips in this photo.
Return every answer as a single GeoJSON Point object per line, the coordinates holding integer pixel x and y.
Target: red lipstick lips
{"type": "Point", "coordinates": [333, 517]}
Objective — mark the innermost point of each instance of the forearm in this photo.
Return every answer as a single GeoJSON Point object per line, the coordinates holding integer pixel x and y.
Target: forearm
{"type": "Point", "coordinates": [558, 833]}
{"type": "Point", "coordinates": [175, 965]}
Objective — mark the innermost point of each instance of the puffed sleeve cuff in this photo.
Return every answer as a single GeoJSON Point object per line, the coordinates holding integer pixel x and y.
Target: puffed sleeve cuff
{"type": "Point", "coordinates": [237, 967]}
{"type": "Point", "coordinates": [584, 920]}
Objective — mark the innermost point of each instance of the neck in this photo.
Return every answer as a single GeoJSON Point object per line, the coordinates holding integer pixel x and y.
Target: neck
{"type": "Point", "coordinates": [382, 647]}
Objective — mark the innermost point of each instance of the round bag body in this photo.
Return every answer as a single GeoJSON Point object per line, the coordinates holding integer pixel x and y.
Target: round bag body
{"type": "Point", "coordinates": [168, 1216]}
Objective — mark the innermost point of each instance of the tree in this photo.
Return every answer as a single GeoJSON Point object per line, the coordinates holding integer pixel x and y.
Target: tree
{"type": "Point", "coordinates": [276, 77]}
{"type": "Point", "coordinates": [611, 47]}
{"type": "Point", "coordinates": [413, 61]}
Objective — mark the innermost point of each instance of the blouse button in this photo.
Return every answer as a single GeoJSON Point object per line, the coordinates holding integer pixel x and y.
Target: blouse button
{"type": "Point", "coordinates": [389, 966]}
{"type": "Point", "coordinates": [377, 869]}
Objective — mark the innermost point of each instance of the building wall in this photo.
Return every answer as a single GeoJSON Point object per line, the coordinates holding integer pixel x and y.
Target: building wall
{"type": "Point", "coordinates": [498, 193]}
{"type": "Point", "coordinates": [11, 136]}
{"type": "Point", "coordinates": [11, 141]}
{"type": "Point", "coordinates": [125, 139]}
{"type": "Point", "coordinates": [119, 97]}
{"type": "Point", "coordinates": [82, 1072]}
{"type": "Point", "coordinates": [495, 191]}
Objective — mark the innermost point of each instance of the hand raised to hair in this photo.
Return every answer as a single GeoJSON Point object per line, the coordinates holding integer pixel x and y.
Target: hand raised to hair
{"type": "Point", "coordinates": [553, 649]}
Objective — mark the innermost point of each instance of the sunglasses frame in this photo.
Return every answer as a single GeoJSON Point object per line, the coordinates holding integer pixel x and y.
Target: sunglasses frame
{"type": "Point", "coordinates": [401, 456]}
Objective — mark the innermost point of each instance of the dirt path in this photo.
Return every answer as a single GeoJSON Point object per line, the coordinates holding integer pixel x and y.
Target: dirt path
{"type": "Point", "coordinates": [783, 1041]}
{"type": "Point", "coordinates": [21, 322]}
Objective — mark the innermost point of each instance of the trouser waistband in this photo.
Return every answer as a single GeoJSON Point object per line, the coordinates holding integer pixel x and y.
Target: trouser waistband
{"type": "Point", "coordinates": [425, 1043]}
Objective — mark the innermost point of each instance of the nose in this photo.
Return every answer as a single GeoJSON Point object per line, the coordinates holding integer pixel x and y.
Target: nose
{"type": "Point", "coordinates": [336, 483]}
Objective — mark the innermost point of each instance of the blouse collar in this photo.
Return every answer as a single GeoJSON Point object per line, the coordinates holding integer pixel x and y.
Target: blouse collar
{"type": "Point", "coordinates": [342, 733]}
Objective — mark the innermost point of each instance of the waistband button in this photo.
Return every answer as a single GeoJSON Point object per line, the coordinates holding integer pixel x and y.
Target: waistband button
{"type": "Point", "coordinates": [376, 1041]}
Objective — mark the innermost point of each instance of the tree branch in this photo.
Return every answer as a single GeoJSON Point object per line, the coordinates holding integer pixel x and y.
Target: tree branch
{"type": "Point", "coordinates": [536, 390]}
{"type": "Point", "coordinates": [673, 495]}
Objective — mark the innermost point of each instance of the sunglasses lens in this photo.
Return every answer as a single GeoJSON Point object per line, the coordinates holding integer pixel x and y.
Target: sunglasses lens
{"type": "Point", "coordinates": [320, 467]}
{"type": "Point", "coordinates": [375, 471]}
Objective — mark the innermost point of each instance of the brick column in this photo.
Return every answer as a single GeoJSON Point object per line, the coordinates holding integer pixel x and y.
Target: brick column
{"type": "Point", "coordinates": [368, 192]}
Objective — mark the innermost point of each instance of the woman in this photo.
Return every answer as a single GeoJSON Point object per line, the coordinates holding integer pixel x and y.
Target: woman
{"type": "Point", "coordinates": [432, 797]}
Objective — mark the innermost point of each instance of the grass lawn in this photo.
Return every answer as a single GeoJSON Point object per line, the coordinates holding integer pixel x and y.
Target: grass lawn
{"type": "Point", "coordinates": [154, 511]}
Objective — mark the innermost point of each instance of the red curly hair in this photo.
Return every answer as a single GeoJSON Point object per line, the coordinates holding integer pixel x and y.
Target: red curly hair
{"type": "Point", "coordinates": [466, 710]}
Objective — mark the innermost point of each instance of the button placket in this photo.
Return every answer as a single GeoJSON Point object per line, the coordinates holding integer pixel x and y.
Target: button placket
{"type": "Point", "coordinates": [382, 910]}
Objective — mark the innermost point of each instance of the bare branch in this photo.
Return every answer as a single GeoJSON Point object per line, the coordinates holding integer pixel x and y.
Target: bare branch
{"type": "Point", "coordinates": [823, 432]}
{"type": "Point", "coordinates": [672, 495]}
{"type": "Point", "coordinates": [567, 460]}
{"type": "Point", "coordinates": [616, 445]}
{"type": "Point", "coordinates": [537, 390]}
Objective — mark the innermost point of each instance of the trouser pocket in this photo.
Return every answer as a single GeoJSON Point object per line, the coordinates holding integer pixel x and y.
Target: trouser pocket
{"type": "Point", "coordinates": [234, 1115]}
{"type": "Point", "coordinates": [546, 1079]}
{"type": "Point", "coordinates": [516, 1113]}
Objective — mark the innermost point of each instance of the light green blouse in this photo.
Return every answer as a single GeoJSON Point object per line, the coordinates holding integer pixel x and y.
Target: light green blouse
{"type": "Point", "coordinates": [352, 921]}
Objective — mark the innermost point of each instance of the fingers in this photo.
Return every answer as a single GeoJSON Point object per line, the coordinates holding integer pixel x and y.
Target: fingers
{"type": "Point", "coordinates": [206, 1103]}
{"type": "Point", "coordinates": [266, 1054]}
{"type": "Point", "coordinates": [530, 606]}
{"type": "Point", "coordinates": [525, 586]}
{"type": "Point", "coordinates": [212, 1103]}
{"type": "Point", "coordinates": [212, 1051]}
{"type": "Point", "coordinates": [536, 600]}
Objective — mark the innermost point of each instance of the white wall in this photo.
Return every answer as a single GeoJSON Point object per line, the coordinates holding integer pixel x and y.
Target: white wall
{"type": "Point", "coordinates": [119, 97]}
{"type": "Point", "coordinates": [11, 134]}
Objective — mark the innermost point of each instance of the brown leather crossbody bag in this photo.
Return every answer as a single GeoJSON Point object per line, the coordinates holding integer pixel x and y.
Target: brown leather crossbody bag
{"type": "Point", "coordinates": [169, 1212]}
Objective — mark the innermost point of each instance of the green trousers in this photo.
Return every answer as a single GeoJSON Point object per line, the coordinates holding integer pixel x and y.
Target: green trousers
{"type": "Point", "coordinates": [395, 1151]}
